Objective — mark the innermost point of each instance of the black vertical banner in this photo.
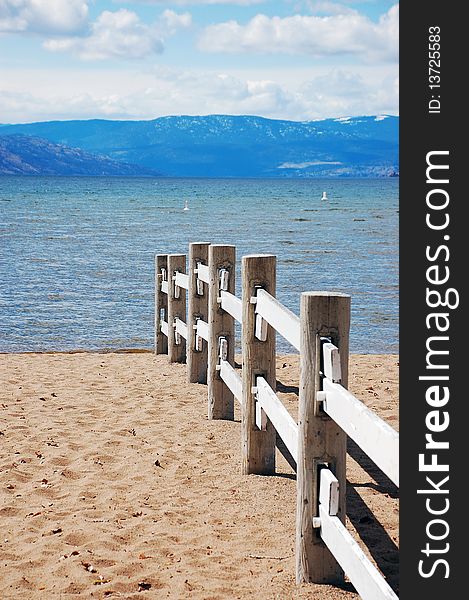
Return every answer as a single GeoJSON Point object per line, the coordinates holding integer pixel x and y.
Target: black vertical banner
{"type": "Point", "coordinates": [433, 310]}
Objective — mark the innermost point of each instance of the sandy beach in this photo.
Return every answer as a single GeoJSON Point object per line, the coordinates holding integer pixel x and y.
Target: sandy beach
{"type": "Point", "coordinates": [114, 484]}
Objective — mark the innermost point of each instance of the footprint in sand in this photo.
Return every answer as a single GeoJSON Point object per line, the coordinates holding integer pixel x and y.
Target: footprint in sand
{"type": "Point", "coordinates": [68, 474]}
{"type": "Point", "coordinates": [76, 539]}
{"type": "Point", "coordinates": [8, 511]}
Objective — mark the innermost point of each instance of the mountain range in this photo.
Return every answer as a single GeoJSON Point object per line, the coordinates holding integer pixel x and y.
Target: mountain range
{"type": "Point", "coordinates": [30, 155]}
{"type": "Point", "coordinates": [204, 146]}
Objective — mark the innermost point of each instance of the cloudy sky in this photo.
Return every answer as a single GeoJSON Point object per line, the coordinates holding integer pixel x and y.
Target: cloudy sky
{"type": "Point", "coordinates": [141, 59]}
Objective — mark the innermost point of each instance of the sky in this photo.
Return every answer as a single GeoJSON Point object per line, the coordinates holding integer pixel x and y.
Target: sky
{"type": "Point", "coordinates": [143, 59]}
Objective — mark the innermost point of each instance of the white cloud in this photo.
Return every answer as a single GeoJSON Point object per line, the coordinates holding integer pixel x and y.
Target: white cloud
{"type": "Point", "coordinates": [41, 16]}
{"type": "Point", "coordinates": [121, 34]}
{"type": "Point", "coordinates": [347, 93]}
{"type": "Point", "coordinates": [171, 21]}
{"type": "Point", "coordinates": [326, 7]}
{"type": "Point", "coordinates": [129, 94]}
{"type": "Point", "coordinates": [350, 34]}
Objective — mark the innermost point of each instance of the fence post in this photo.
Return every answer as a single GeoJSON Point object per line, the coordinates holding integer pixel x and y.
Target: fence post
{"type": "Point", "coordinates": [221, 324]}
{"type": "Point", "coordinates": [258, 445]}
{"type": "Point", "coordinates": [320, 439]}
{"type": "Point", "coordinates": [176, 308]}
{"type": "Point", "coordinates": [161, 303]}
{"type": "Point", "coordinates": [198, 308]}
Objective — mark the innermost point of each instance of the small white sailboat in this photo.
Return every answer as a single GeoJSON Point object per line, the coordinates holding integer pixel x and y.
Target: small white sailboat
{"type": "Point", "coordinates": [186, 205]}
{"type": "Point", "coordinates": [324, 196]}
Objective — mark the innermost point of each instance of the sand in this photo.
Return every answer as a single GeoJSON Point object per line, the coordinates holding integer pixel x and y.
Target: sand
{"type": "Point", "coordinates": [113, 484]}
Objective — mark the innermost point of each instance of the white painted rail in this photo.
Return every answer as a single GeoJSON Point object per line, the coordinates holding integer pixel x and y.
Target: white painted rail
{"type": "Point", "coordinates": [278, 415]}
{"type": "Point", "coordinates": [232, 380]}
{"type": "Point", "coordinates": [374, 436]}
{"type": "Point", "coordinates": [202, 329]}
{"type": "Point", "coordinates": [321, 312]}
{"type": "Point", "coordinates": [366, 578]}
{"type": "Point", "coordinates": [182, 280]}
{"type": "Point", "coordinates": [203, 273]}
{"type": "Point", "coordinates": [280, 317]}
{"type": "Point", "coordinates": [232, 305]}
{"type": "Point", "coordinates": [181, 328]}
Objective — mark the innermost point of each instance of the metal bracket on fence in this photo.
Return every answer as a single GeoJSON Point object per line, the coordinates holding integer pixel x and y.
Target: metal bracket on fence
{"type": "Point", "coordinates": [320, 397]}
{"type": "Point", "coordinates": [330, 368]}
{"type": "Point", "coordinates": [223, 279]}
{"type": "Point", "coordinates": [261, 417]}
{"type": "Point", "coordinates": [177, 289]}
{"type": "Point", "coordinates": [261, 327]}
{"type": "Point", "coordinates": [198, 282]}
{"type": "Point", "coordinates": [198, 343]}
{"type": "Point", "coordinates": [223, 282]}
{"type": "Point", "coordinates": [162, 280]}
{"type": "Point", "coordinates": [222, 350]}
{"type": "Point", "coordinates": [328, 492]}
{"type": "Point", "coordinates": [177, 335]}
{"type": "Point", "coordinates": [330, 360]}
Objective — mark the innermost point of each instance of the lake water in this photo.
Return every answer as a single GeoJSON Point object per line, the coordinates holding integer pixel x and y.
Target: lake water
{"type": "Point", "coordinates": [77, 254]}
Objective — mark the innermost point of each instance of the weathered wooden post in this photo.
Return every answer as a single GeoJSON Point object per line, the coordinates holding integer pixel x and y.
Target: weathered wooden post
{"type": "Point", "coordinates": [176, 308]}
{"type": "Point", "coordinates": [221, 264]}
{"type": "Point", "coordinates": [320, 439]}
{"type": "Point", "coordinates": [258, 445]}
{"type": "Point", "coordinates": [161, 303]}
{"type": "Point", "coordinates": [197, 309]}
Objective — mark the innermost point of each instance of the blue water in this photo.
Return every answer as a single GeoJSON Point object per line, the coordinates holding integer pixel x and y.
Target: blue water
{"type": "Point", "coordinates": [77, 254]}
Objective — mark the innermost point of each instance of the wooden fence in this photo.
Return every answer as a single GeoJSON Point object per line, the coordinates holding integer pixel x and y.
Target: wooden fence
{"type": "Point", "coordinates": [195, 314]}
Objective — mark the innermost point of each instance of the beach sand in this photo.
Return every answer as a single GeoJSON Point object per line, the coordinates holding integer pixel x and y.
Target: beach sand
{"type": "Point", "coordinates": [114, 484]}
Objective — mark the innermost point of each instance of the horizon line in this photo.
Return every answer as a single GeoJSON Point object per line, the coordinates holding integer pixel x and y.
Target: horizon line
{"type": "Point", "coordinates": [173, 116]}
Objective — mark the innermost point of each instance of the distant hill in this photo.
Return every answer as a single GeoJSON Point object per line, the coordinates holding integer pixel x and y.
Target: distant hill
{"type": "Point", "coordinates": [30, 155]}
{"type": "Point", "coordinates": [235, 146]}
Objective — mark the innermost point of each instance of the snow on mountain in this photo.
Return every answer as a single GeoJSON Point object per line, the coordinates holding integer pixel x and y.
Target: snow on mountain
{"type": "Point", "coordinates": [235, 146]}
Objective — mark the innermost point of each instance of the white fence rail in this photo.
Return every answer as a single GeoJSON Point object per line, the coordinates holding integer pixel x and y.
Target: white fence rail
{"type": "Point", "coordinates": [366, 578]}
{"type": "Point", "coordinates": [374, 436]}
{"type": "Point", "coordinates": [316, 443]}
{"type": "Point", "coordinates": [232, 305]}
{"type": "Point", "coordinates": [164, 327]}
{"type": "Point", "coordinates": [286, 323]}
{"type": "Point", "coordinates": [232, 380]}
{"type": "Point", "coordinates": [181, 328]}
{"type": "Point", "coordinates": [203, 273]}
{"type": "Point", "coordinates": [281, 419]}
{"type": "Point", "coordinates": [202, 329]}
{"type": "Point", "coordinates": [182, 280]}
